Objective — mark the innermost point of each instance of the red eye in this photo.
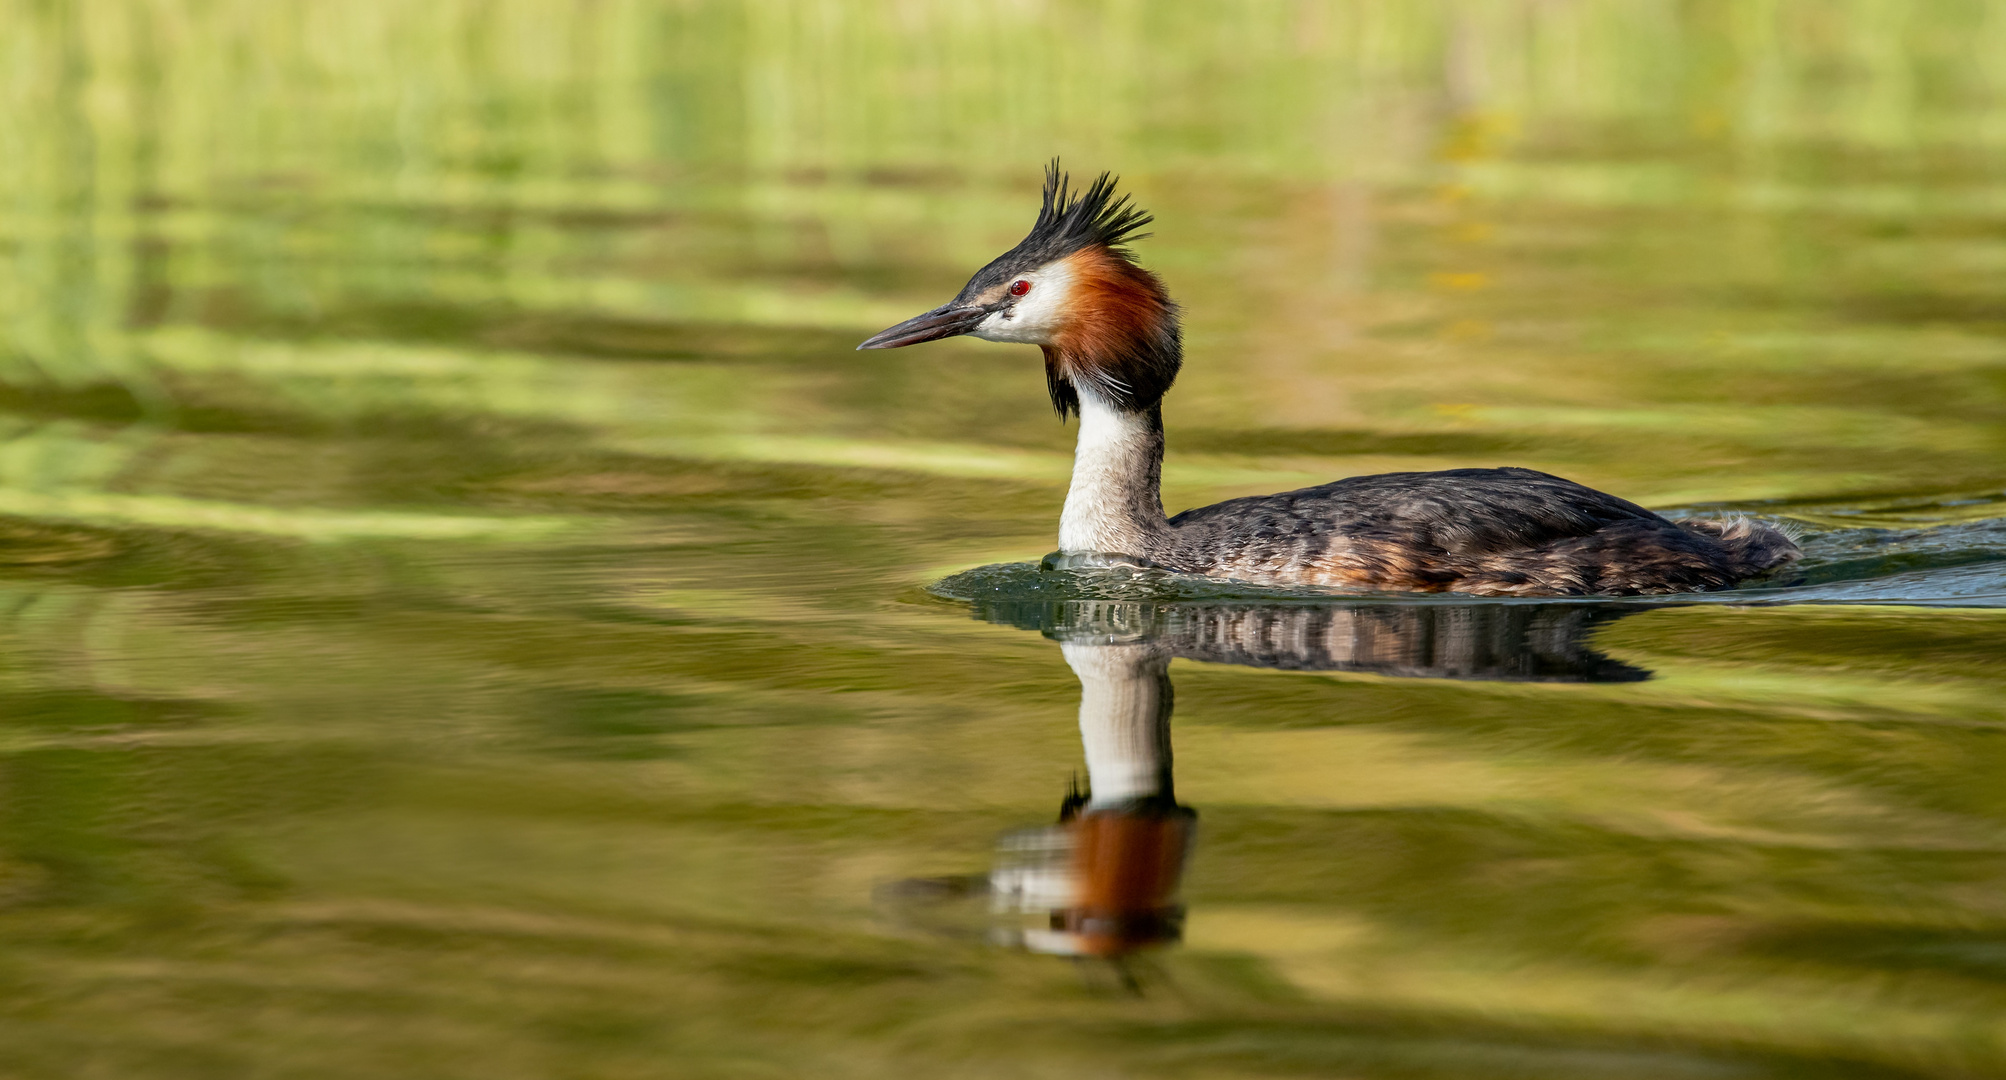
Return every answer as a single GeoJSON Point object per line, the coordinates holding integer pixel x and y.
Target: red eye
{"type": "Point", "coordinates": [1019, 287]}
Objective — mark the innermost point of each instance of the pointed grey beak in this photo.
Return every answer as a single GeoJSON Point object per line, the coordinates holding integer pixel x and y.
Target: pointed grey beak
{"type": "Point", "coordinates": [944, 321]}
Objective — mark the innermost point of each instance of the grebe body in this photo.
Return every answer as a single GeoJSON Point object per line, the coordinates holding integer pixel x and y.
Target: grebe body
{"type": "Point", "coordinates": [1112, 348]}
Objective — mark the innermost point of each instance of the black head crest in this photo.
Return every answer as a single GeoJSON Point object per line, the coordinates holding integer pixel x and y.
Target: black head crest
{"type": "Point", "coordinates": [1069, 221]}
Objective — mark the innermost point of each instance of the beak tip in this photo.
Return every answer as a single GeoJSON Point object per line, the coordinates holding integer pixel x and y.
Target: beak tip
{"type": "Point", "coordinates": [941, 322]}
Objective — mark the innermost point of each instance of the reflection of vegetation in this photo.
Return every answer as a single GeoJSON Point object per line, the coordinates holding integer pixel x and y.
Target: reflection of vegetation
{"type": "Point", "coordinates": [445, 607]}
{"type": "Point", "coordinates": [441, 176]}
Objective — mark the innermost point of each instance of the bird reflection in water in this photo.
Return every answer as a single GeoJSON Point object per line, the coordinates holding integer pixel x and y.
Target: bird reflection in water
{"type": "Point", "coordinates": [1105, 878]}
{"type": "Point", "coordinates": [1104, 881]}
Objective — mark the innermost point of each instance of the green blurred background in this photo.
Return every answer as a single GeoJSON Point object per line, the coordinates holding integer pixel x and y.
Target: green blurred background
{"type": "Point", "coordinates": [463, 601]}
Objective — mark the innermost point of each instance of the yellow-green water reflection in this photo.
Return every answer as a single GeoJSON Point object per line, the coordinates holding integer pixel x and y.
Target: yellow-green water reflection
{"type": "Point", "coordinates": [464, 599]}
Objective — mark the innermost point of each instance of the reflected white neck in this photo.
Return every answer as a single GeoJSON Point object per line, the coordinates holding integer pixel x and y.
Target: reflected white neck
{"type": "Point", "coordinates": [1125, 705]}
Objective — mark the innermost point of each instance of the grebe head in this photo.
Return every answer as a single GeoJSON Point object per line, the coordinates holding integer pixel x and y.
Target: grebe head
{"type": "Point", "coordinates": [1073, 288]}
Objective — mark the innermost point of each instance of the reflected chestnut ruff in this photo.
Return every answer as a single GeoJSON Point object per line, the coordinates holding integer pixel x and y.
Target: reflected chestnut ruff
{"type": "Point", "coordinates": [1104, 881]}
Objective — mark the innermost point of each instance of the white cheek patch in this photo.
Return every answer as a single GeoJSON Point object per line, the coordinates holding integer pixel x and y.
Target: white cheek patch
{"type": "Point", "coordinates": [1038, 314]}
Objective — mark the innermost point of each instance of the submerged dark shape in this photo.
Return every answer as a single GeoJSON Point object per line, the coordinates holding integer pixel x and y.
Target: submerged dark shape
{"type": "Point", "coordinates": [1109, 333]}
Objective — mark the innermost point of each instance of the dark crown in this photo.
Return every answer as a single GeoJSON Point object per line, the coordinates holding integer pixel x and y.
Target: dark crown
{"type": "Point", "coordinates": [1068, 222]}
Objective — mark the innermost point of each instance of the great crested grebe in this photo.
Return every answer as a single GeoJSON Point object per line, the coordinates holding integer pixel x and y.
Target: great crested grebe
{"type": "Point", "coordinates": [1112, 348]}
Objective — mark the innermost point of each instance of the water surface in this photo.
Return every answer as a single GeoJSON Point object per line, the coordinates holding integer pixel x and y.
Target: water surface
{"type": "Point", "coordinates": [469, 613]}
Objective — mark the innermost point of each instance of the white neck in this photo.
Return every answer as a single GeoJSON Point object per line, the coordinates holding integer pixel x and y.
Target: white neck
{"type": "Point", "coordinates": [1124, 719]}
{"type": "Point", "coordinates": [1114, 506]}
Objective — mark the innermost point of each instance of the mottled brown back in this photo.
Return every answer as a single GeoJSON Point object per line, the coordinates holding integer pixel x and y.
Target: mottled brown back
{"type": "Point", "coordinates": [1492, 532]}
